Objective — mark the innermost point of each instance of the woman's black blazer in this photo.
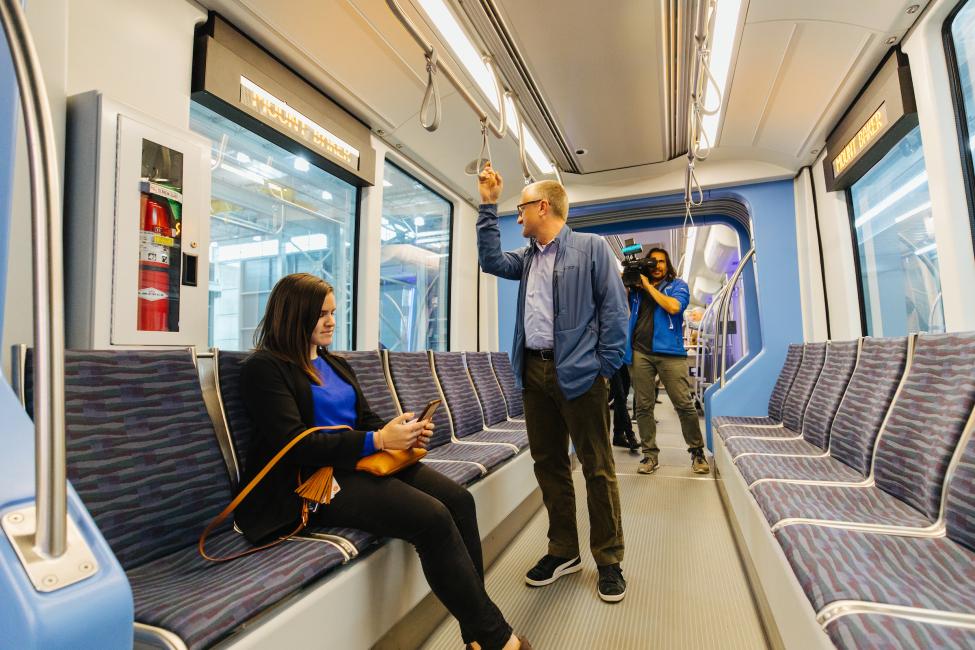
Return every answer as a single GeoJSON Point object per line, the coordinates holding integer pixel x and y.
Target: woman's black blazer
{"type": "Point", "coordinates": [277, 396]}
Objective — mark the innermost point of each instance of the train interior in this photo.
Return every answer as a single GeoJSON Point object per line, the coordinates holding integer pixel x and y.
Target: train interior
{"type": "Point", "coordinates": [807, 168]}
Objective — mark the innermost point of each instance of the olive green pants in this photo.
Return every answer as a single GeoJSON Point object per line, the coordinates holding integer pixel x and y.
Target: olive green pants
{"type": "Point", "coordinates": [553, 421]}
{"type": "Point", "coordinates": [673, 375]}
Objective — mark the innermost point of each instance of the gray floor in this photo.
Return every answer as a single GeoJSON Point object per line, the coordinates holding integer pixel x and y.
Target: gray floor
{"type": "Point", "coordinates": [685, 584]}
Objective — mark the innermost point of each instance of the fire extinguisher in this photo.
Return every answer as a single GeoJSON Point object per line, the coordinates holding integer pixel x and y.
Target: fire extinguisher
{"type": "Point", "coordinates": [155, 244]}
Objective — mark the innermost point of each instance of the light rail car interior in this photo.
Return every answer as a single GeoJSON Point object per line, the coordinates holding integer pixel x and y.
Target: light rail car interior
{"type": "Point", "coordinates": [693, 274]}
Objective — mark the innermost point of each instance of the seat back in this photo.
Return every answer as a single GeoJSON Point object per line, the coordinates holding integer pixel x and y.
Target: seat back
{"type": "Point", "coordinates": [776, 401]}
{"type": "Point", "coordinates": [371, 375]}
{"type": "Point", "coordinates": [487, 386]}
{"type": "Point", "coordinates": [960, 500]}
{"type": "Point", "coordinates": [415, 385]}
{"type": "Point", "coordinates": [879, 370]}
{"type": "Point", "coordinates": [813, 356]}
{"type": "Point", "coordinates": [465, 411]}
{"type": "Point", "coordinates": [927, 420]}
{"type": "Point", "coordinates": [841, 357]}
{"type": "Point", "coordinates": [509, 387]}
{"type": "Point", "coordinates": [142, 452]}
{"type": "Point", "coordinates": [228, 365]}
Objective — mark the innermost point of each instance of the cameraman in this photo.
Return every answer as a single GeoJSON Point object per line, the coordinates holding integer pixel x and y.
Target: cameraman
{"type": "Point", "coordinates": [655, 346]}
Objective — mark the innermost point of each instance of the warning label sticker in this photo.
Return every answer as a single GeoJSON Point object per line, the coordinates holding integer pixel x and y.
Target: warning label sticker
{"type": "Point", "coordinates": [152, 294]}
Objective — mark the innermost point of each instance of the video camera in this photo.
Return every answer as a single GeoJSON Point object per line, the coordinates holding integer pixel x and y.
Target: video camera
{"type": "Point", "coordinates": [635, 265]}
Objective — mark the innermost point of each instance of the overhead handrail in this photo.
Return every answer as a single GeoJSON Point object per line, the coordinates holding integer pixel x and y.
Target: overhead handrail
{"type": "Point", "coordinates": [724, 310]}
{"type": "Point", "coordinates": [430, 52]}
{"type": "Point", "coordinates": [522, 156]}
{"type": "Point", "coordinates": [50, 538]}
{"type": "Point", "coordinates": [431, 93]}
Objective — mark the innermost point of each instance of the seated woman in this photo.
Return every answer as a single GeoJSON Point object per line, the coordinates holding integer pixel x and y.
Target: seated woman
{"type": "Point", "coordinates": [292, 383]}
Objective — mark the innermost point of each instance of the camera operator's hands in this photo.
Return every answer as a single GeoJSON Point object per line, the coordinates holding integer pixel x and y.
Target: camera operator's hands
{"type": "Point", "coordinates": [646, 283]}
{"type": "Point", "coordinates": [489, 184]}
{"type": "Point", "coordinates": [400, 433]}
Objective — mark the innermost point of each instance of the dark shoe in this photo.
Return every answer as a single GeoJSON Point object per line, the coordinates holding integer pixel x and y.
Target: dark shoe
{"type": "Point", "coordinates": [620, 441]}
{"type": "Point", "coordinates": [612, 586]}
{"type": "Point", "coordinates": [699, 463]}
{"type": "Point", "coordinates": [632, 442]}
{"type": "Point", "coordinates": [551, 568]}
{"type": "Point", "coordinates": [648, 465]}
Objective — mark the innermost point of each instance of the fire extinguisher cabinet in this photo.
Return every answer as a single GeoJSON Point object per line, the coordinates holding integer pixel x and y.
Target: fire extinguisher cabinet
{"type": "Point", "coordinates": [136, 229]}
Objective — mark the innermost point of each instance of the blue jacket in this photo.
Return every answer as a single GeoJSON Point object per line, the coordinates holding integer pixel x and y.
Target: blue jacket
{"type": "Point", "coordinates": [589, 302]}
{"type": "Point", "coordinates": [668, 330]}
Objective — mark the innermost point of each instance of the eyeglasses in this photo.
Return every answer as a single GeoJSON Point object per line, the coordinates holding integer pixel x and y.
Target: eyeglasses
{"type": "Point", "coordinates": [522, 206]}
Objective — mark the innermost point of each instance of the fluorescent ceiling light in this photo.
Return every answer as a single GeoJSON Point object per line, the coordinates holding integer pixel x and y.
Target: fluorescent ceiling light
{"type": "Point", "coordinates": [892, 198]}
{"type": "Point", "coordinates": [243, 173]}
{"type": "Point", "coordinates": [722, 45]}
{"type": "Point", "coordinates": [462, 47]}
{"type": "Point", "coordinates": [419, 221]}
{"type": "Point", "coordinates": [910, 213]}
{"type": "Point", "coordinates": [326, 195]}
{"type": "Point", "coordinates": [243, 157]}
{"type": "Point", "coordinates": [387, 183]}
{"type": "Point", "coordinates": [302, 165]}
{"type": "Point", "coordinates": [925, 249]}
{"type": "Point", "coordinates": [689, 253]}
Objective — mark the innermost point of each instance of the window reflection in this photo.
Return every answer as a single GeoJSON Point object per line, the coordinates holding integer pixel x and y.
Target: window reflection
{"type": "Point", "coordinates": [963, 44]}
{"type": "Point", "coordinates": [899, 272]}
{"type": "Point", "coordinates": [415, 267]}
{"type": "Point", "coordinates": [271, 213]}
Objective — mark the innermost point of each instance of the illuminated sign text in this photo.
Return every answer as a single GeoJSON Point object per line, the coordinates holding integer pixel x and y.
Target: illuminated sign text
{"type": "Point", "coordinates": [859, 142]}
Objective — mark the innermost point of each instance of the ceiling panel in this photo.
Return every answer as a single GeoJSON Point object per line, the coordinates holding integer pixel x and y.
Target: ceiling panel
{"type": "Point", "coordinates": [877, 15]}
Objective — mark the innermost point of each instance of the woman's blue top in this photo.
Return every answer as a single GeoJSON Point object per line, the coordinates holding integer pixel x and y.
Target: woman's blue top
{"type": "Point", "coordinates": [335, 402]}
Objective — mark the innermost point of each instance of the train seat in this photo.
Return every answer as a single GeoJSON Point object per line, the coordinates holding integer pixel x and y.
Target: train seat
{"type": "Point", "coordinates": [415, 385]}
{"type": "Point", "coordinates": [923, 431]}
{"type": "Point", "coordinates": [501, 365]}
{"type": "Point", "coordinates": [825, 401]}
{"type": "Point", "coordinates": [813, 357]}
{"type": "Point", "coordinates": [464, 407]}
{"type": "Point", "coordinates": [143, 456]}
{"type": "Point", "coordinates": [489, 393]}
{"type": "Point", "coordinates": [879, 370]}
{"type": "Point", "coordinates": [776, 401]}
{"type": "Point", "coordinates": [886, 630]}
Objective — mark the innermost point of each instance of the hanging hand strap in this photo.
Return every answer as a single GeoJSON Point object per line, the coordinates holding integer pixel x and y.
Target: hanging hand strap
{"type": "Point", "coordinates": [322, 479]}
{"type": "Point", "coordinates": [432, 93]}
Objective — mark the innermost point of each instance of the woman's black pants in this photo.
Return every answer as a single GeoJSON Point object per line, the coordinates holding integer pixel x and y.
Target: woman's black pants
{"type": "Point", "coordinates": [437, 516]}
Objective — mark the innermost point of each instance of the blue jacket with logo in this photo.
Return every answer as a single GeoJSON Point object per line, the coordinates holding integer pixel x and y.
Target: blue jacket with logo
{"type": "Point", "coordinates": [589, 302]}
{"type": "Point", "coordinates": [668, 329]}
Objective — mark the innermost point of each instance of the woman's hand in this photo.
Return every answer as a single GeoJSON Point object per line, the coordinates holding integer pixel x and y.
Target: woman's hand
{"type": "Point", "coordinates": [425, 434]}
{"type": "Point", "coordinates": [400, 433]}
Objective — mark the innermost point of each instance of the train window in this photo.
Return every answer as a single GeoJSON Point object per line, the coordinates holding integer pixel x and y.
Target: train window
{"type": "Point", "coordinates": [271, 213]}
{"type": "Point", "coordinates": [899, 274]}
{"type": "Point", "coordinates": [415, 268]}
{"type": "Point", "coordinates": [960, 46]}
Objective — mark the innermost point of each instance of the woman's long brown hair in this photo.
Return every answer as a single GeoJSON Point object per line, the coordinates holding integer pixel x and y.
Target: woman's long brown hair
{"type": "Point", "coordinates": [292, 312]}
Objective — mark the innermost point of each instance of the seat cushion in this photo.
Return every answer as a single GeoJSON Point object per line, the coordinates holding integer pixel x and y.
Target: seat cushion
{"type": "Point", "coordinates": [834, 564]}
{"type": "Point", "coordinates": [725, 420]}
{"type": "Point", "coordinates": [755, 468]}
{"type": "Point", "coordinates": [739, 430]}
{"type": "Point", "coordinates": [894, 633]}
{"type": "Point", "coordinates": [517, 437]}
{"type": "Point", "coordinates": [508, 425]}
{"type": "Point", "coordinates": [866, 505]}
{"type": "Point", "coordinates": [738, 446]}
{"type": "Point", "coordinates": [203, 602]}
{"type": "Point", "coordinates": [462, 473]}
{"type": "Point", "coordinates": [487, 455]}
{"type": "Point", "coordinates": [358, 538]}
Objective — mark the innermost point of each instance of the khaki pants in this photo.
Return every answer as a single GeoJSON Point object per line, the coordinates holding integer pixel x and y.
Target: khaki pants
{"type": "Point", "coordinates": [673, 375]}
{"type": "Point", "coordinates": [553, 421]}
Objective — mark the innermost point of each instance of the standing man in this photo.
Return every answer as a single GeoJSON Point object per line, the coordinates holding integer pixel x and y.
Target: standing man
{"type": "Point", "coordinates": [570, 334]}
{"type": "Point", "coordinates": [655, 347]}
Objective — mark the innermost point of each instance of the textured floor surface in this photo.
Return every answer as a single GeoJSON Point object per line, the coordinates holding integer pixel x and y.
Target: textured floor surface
{"type": "Point", "coordinates": [686, 587]}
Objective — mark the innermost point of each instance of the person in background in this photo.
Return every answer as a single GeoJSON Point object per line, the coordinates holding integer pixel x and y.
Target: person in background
{"type": "Point", "coordinates": [655, 348]}
{"type": "Point", "coordinates": [570, 331]}
{"type": "Point", "coordinates": [619, 391]}
{"type": "Point", "coordinates": [291, 383]}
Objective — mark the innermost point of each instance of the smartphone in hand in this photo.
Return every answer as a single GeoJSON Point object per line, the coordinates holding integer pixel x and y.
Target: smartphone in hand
{"type": "Point", "coordinates": [429, 410]}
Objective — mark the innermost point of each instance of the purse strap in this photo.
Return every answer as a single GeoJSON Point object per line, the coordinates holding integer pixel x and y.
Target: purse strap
{"type": "Point", "coordinates": [219, 519]}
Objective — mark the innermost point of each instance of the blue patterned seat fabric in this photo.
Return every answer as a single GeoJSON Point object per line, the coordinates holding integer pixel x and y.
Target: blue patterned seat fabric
{"type": "Point", "coordinates": [509, 386]}
{"type": "Point", "coordinates": [866, 505]}
{"type": "Point", "coordinates": [834, 564]}
{"type": "Point", "coordinates": [488, 388]}
{"type": "Point", "coordinates": [465, 410]}
{"type": "Point", "coordinates": [801, 468]}
{"type": "Point", "coordinates": [462, 473]}
{"type": "Point", "coordinates": [754, 431]}
{"type": "Point", "coordinates": [787, 375]}
{"type": "Point", "coordinates": [854, 631]}
{"type": "Point", "coordinates": [143, 456]}
{"type": "Point", "coordinates": [369, 372]}
{"type": "Point", "coordinates": [798, 446]}
{"type": "Point", "coordinates": [489, 456]}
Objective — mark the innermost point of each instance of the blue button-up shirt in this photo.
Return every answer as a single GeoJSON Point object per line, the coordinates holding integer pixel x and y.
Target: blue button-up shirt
{"type": "Point", "coordinates": [539, 304]}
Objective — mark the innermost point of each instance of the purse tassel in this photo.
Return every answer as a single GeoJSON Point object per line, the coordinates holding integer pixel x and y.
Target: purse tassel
{"type": "Point", "coordinates": [318, 488]}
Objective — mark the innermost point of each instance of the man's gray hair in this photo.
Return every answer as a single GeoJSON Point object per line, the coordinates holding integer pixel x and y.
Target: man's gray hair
{"type": "Point", "coordinates": [554, 193]}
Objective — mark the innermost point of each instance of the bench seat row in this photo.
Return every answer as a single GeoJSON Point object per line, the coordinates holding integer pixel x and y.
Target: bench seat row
{"type": "Point", "coordinates": [859, 484]}
{"type": "Point", "coordinates": [157, 441]}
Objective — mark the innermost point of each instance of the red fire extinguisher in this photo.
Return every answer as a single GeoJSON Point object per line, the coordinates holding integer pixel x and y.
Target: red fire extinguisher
{"type": "Point", "coordinates": [155, 244]}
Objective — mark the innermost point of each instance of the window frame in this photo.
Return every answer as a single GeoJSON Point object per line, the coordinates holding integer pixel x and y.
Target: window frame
{"type": "Point", "coordinates": [404, 167]}
{"type": "Point", "coordinates": [855, 243]}
{"type": "Point", "coordinates": [958, 107]}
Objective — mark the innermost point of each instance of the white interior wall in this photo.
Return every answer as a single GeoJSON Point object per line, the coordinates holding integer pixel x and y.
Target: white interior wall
{"type": "Point", "coordinates": [810, 272]}
{"type": "Point", "coordinates": [952, 229]}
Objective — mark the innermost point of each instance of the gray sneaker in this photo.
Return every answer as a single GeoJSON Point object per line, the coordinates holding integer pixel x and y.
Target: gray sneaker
{"type": "Point", "coordinates": [699, 464]}
{"type": "Point", "coordinates": [648, 465]}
